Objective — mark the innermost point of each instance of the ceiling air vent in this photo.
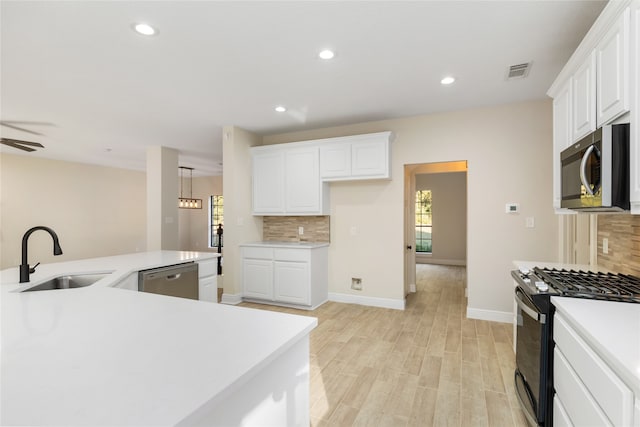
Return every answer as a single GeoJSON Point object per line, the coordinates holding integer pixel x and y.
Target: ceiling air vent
{"type": "Point", "coordinates": [519, 71]}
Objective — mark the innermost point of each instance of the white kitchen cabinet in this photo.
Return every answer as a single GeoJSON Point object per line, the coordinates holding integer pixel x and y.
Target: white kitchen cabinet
{"type": "Point", "coordinates": [583, 93]}
{"type": "Point", "coordinates": [268, 182]}
{"type": "Point", "coordinates": [357, 157]}
{"type": "Point", "coordinates": [612, 75]}
{"type": "Point", "coordinates": [634, 143]}
{"type": "Point", "coordinates": [286, 181]}
{"type": "Point", "coordinates": [285, 274]}
{"type": "Point", "coordinates": [560, 416]}
{"type": "Point", "coordinates": [636, 419]}
{"type": "Point", "coordinates": [208, 280]}
{"type": "Point", "coordinates": [588, 389]}
{"type": "Point", "coordinates": [562, 137]}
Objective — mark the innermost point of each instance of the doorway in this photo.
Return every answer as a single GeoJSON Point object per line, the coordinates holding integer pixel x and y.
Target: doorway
{"type": "Point", "coordinates": [440, 227]}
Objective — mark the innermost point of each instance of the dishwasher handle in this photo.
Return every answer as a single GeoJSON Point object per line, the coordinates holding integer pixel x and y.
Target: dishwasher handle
{"type": "Point", "coordinates": [173, 277]}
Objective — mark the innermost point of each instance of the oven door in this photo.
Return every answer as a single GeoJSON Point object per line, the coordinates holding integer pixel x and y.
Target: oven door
{"type": "Point", "coordinates": [532, 348]}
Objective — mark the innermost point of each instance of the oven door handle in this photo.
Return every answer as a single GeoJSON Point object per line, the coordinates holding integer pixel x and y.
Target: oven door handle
{"type": "Point", "coordinates": [583, 170]}
{"type": "Point", "coordinates": [539, 317]}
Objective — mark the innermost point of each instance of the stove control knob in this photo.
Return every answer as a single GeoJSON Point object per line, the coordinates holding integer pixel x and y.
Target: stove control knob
{"type": "Point", "coordinates": [525, 271]}
{"type": "Point", "coordinates": [541, 286]}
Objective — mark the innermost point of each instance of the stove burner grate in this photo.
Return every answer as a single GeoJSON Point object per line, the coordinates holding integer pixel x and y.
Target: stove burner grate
{"type": "Point", "coordinates": [587, 284]}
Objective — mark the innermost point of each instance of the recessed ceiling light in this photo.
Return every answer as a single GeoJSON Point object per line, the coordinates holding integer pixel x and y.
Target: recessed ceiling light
{"type": "Point", "coordinates": [447, 80]}
{"type": "Point", "coordinates": [326, 54]}
{"type": "Point", "coordinates": [280, 109]}
{"type": "Point", "coordinates": [144, 29]}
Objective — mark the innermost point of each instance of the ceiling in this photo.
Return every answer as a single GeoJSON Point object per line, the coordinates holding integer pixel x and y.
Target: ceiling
{"type": "Point", "coordinates": [100, 93]}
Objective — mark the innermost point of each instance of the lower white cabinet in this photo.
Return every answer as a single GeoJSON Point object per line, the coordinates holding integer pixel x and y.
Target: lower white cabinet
{"type": "Point", "coordinates": [286, 274]}
{"type": "Point", "coordinates": [208, 280]}
{"type": "Point", "coordinates": [587, 389]}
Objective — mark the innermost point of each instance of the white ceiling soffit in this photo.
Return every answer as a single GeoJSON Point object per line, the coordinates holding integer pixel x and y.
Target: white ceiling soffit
{"type": "Point", "coordinates": [105, 93]}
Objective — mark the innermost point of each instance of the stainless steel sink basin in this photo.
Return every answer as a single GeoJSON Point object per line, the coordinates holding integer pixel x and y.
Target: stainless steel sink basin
{"type": "Point", "coordinates": [68, 282]}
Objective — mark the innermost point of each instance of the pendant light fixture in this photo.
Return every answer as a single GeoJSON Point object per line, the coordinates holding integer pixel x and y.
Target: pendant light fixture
{"type": "Point", "coordinates": [188, 202]}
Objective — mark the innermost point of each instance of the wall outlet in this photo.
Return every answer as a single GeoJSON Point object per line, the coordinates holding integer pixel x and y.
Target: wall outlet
{"type": "Point", "coordinates": [530, 222]}
{"type": "Point", "coordinates": [300, 231]}
{"type": "Point", "coordinates": [605, 246]}
{"type": "Point", "coordinates": [356, 283]}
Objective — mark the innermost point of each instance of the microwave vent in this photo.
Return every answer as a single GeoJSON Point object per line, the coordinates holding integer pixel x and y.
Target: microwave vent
{"type": "Point", "coordinates": [519, 71]}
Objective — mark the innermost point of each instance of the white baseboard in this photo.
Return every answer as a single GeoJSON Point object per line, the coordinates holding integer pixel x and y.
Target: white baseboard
{"type": "Point", "coordinates": [492, 315]}
{"type": "Point", "coordinates": [397, 304]}
{"type": "Point", "coordinates": [231, 299]}
{"type": "Point", "coordinates": [426, 260]}
{"type": "Point", "coordinates": [412, 288]}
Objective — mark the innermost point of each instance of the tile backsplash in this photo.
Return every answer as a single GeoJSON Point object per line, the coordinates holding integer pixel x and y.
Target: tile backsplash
{"type": "Point", "coordinates": [623, 233]}
{"type": "Point", "coordinates": [285, 228]}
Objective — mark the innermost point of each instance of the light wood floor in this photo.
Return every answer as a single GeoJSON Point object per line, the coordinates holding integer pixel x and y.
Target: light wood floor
{"type": "Point", "coordinates": [426, 365]}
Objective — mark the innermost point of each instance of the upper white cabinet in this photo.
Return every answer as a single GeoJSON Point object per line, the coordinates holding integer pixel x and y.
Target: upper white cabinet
{"type": "Point", "coordinates": [597, 86]}
{"type": "Point", "coordinates": [612, 75]}
{"type": "Point", "coordinates": [583, 88]}
{"type": "Point", "coordinates": [292, 179]}
{"type": "Point", "coordinates": [562, 136]}
{"type": "Point", "coordinates": [356, 157]}
{"type": "Point", "coordinates": [268, 182]}
{"type": "Point", "coordinates": [286, 181]}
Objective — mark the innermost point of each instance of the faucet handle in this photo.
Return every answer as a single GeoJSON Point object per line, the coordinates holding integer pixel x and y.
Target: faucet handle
{"type": "Point", "coordinates": [33, 269]}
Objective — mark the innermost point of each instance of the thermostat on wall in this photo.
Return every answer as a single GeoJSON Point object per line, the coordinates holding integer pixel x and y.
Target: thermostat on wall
{"type": "Point", "coordinates": [512, 208]}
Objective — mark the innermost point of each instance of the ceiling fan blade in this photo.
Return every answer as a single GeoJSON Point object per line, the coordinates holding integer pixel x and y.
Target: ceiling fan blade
{"type": "Point", "coordinates": [16, 145]}
{"type": "Point", "coordinates": [5, 124]}
{"type": "Point", "coordinates": [18, 141]}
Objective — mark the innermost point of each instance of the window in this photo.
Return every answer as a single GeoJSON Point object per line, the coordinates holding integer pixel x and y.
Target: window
{"type": "Point", "coordinates": [423, 221]}
{"type": "Point", "coordinates": [216, 210]}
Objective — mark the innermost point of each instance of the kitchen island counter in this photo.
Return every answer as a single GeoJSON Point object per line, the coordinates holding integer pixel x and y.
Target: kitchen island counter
{"type": "Point", "coordinates": [100, 355]}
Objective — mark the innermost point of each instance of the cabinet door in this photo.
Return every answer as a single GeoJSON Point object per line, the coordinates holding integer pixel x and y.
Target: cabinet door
{"type": "Point", "coordinates": [303, 187]}
{"type": "Point", "coordinates": [584, 99]}
{"type": "Point", "coordinates": [370, 159]}
{"type": "Point", "coordinates": [268, 182]}
{"type": "Point", "coordinates": [561, 137]}
{"type": "Point", "coordinates": [257, 278]}
{"type": "Point", "coordinates": [634, 146]}
{"type": "Point", "coordinates": [335, 161]}
{"type": "Point", "coordinates": [612, 56]}
{"type": "Point", "coordinates": [292, 282]}
{"type": "Point", "coordinates": [208, 289]}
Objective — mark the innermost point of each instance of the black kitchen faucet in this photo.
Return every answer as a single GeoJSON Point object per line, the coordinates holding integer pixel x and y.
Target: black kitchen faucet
{"type": "Point", "coordinates": [25, 270]}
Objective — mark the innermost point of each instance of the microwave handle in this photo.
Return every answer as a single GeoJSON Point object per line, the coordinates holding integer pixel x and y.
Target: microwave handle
{"type": "Point", "coordinates": [583, 167]}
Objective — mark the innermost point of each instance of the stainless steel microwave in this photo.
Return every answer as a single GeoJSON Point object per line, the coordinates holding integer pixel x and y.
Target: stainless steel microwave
{"type": "Point", "coordinates": [595, 171]}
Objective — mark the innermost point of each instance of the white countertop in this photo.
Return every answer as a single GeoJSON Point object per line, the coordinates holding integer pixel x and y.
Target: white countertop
{"type": "Point", "coordinates": [613, 331]}
{"type": "Point", "coordinates": [274, 244]}
{"type": "Point", "coordinates": [106, 356]}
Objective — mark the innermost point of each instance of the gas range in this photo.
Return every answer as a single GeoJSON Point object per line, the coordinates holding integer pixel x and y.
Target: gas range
{"type": "Point", "coordinates": [579, 284]}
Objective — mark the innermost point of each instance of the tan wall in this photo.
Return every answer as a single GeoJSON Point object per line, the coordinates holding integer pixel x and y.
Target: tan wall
{"type": "Point", "coordinates": [449, 216]}
{"type": "Point", "coordinates": [623, 232]}
{"type": "Point", "coordinates": [509, 151]}
{"type": "Point", "coordinates": [194, 223]}
{"type": "Point", "coordinates": [95, 210]}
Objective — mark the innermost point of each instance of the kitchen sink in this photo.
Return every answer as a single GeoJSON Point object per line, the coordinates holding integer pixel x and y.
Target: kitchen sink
{"type": "Point", "coordinates": [68, 281]}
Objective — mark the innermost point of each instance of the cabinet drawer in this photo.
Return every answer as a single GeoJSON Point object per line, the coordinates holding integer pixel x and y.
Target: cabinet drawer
{"type": "Point", "coordinates": [580, 406]}
{"type": "Point", "coordinates": [612, 395]}
{"type": "Point", "coordinates": [560, 416]}
{"type": "Point", "coordinates": [292, 254]}
{"type": "Point", "coordinates": [257, 253]}
{"type": "Point", "coordinates": [207, 268]}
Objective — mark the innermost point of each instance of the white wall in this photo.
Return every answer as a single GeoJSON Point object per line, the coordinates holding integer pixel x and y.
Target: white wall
{"type": "Point", "coordinates": [240, 226]}
{"type": "Point", "coordinates": [508, 149]}
{"type": "Point", "coordinates": [95, 210]}
{"type": "Point", "coordinates": [449, 217]}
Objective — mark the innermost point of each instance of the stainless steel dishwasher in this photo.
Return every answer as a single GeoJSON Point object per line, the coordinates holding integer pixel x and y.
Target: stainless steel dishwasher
{"type": "Point", "coordinates": [180, 280]}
